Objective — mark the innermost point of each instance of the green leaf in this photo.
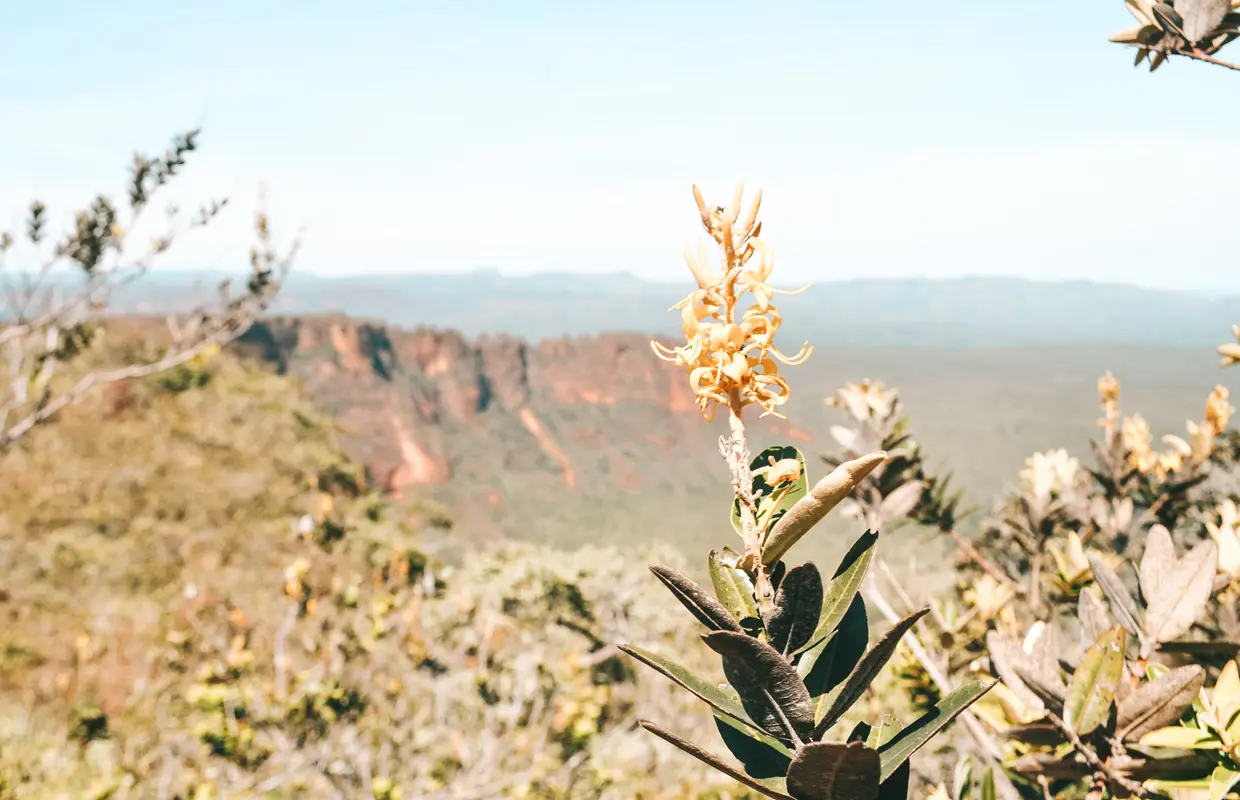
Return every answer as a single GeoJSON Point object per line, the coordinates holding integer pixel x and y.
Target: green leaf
{"type": "Point", "coordinates": [769, 787]}
{"type": "Point", "coordinates": [897, 750]}
{"type": "Point", "coordinates": [867, 669]}
{"type": "Point", "coordinates": [962, 779]}
{"type": "Point", "coordinates": [896, 787]}
{"type": "Point", "coordinates": [798, 605]}
{"type": "Point", "coordinates": [1180, 738]}
{"type": "Point", "coordinates": [829, 663]}
{"type": "Point", "coordinates": [1221, 781]}
{"type": "Point", "coordinates": [844, 587]}
{"type": "Point", "coordinates": [735, 592]}
{"type": "Point", "coordinates": [770, 689]}
{"type": "Point", "coordinates": [701, 605]}
{"type": "Point", "coordinates": [772, 506]}
{"type": "Point", "coordinates": [712, 695]}
{"type": "Point", "coordinates": [762, 755]}
{"type": "Point", "coordinates": [1093, 685]}
{"type": "Point", "coordinates": [830, 771]}
{"type": "Point", "coordinates": [989, 790]}
{"type": "Point", "coordinates": [1158, 702]}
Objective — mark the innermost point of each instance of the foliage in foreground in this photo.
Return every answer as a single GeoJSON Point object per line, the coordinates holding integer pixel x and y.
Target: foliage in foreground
{"type": "Point", "coordinates": [795, 647]}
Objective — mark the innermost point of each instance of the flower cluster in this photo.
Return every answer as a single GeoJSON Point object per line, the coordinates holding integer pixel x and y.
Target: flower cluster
{"type": "Point", "coordinates": [1046, 475]}
{"type": "Point", "coordinates": [730, 353]}
{"type": "Point", "coordinates": [1193, 450]}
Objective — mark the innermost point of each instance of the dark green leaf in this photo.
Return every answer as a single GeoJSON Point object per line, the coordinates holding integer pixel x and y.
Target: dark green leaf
{"type": "Point", "coordinates": [798, 605]}
{"type": "Point", "coordinates": [826, 665]}
{"type": "Point", "coordinates": [843, 587]}
{"type": "Point", "coordinates": [1159, 703]}
{"type": "Point", "coordinates": [769, 787]}
{"type": "Point", "coordinates": [735, 592]}
{"type": "Point", "coordinates": [829, 771]}
{"type": "Point", "coordinates": [867, 669]}
{"type": "Point", "coordinates": [707, 609]}
{"type": "Point", "coordinates": [1041, 734]}
{"type": "Point", "coordinates": [898, 749]}
{"type": "Point", "coordinates": [715, 697]}
{"type": "Point", "coordinates": [770, 689]}
{"type": "Point", "coordinates": [896, 787]}
{"type": "Point", "coordinates": [1093, 685]}
{"type": "Point", "coordinates": [762, 756]}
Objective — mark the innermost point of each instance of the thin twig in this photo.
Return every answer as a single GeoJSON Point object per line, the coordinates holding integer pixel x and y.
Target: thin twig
{"type": "Point", "coordinates": [970, 722]}
{"type": "Point", "coordinates": [1096, 761]}
{"type": "Point", "coordinates": [1197, 55]}
{"type": "Point", "coordinates": [973, 554]}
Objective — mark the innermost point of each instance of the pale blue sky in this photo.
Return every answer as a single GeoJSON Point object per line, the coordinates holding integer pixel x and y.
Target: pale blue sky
{"type": "Point", "coordinates": [900, 138]}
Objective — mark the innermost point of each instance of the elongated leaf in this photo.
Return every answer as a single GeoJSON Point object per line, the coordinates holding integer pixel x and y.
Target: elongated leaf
{"type": "Point", "coordinates": [1221, 781]}
{"type": "Point", "coordinates": [829, 663]}
{"type": "Point", "coordinates": [762, 755]}
{"type": "Point", "coordinates": [826, 495]}
{"type": "Point", "coordinates": [843, 588]}
{"type": "Point", "coordinates": [897, 505]}
{"type": "Point", "coordinates": [1157, 562]}
{"type": "Point", "coordinates": [1005, 655]}
{"type": "Point", "coordinates": [1123, 607]}
{"type": "Point", "coordinates": [798, 605]}
{"type": "Point", "coordinates": [1178, 738]}
{"type": "Point", "coordinates": [1159, 703]}
{"type": "Point", "coordinates": [770, 689]}
{"type": "Point", "coordinates": [868, 668]}
{"type": "Point", "coordinates": [768, 788]}
{"type": "Point", "coordinates": [1095, 620]}
{"type": "Point", "coordinates": [707, 609]}
{"type": "Point", "coordinates": [712, 695]}
{"type": "Point", "coordinates": [768, 509]}
{"type": "Point", "coordinates": [896, 787]}
{"type": "Point", "coordinates": [1093, 685]}
{"type": "Point", "coordinates": [735, 592]}
{"type": "Point", "coordinates": [896, 751]}
{"type": "Point", "coordinates": [1182, 596]}
{"type": "Point", "coordinates": [829, 771]}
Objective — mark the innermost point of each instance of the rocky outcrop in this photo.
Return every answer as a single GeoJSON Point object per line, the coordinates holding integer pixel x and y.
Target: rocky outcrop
{"type": "Point", "coordinates": [418, 403]}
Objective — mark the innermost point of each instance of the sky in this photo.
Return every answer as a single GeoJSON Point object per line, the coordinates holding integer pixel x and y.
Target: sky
{"type": "Point", "coordinates": [890, 139]}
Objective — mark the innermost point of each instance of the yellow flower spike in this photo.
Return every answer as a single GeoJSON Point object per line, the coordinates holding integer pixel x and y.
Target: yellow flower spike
{"type": "Point", "coordinates": [729, 349]}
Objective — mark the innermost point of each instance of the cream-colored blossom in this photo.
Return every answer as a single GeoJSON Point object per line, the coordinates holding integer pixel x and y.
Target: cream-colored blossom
{"type": "Point", "coordinates": [865, 399]}
{"type": "Point", "coordinates": [1226, 534]}
{"type": "Point", "coordinates": [730, 353]}
{"type": "Point", "coordinates": [988, 596]}
{"type": "Point", "coordinates": [1230, 352]}
{"type": "Point", "coordinates": [1047, 475]}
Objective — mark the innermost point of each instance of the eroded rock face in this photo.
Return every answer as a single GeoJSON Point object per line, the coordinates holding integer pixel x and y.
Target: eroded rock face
{"type": "Point", "coordinates": [421, 403]}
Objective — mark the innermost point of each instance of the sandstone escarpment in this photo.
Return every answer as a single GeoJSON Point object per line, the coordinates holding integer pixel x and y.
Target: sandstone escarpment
{"type": "Point", "coordinates": [424, 406]}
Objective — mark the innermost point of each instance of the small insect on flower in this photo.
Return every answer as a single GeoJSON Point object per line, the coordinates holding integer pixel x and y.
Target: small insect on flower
{"type": "Point", "coordinates": [730, 354]}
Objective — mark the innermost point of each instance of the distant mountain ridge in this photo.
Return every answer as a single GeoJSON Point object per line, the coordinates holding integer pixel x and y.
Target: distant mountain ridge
{"type": "Point", "coordinates": [957, 312]}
